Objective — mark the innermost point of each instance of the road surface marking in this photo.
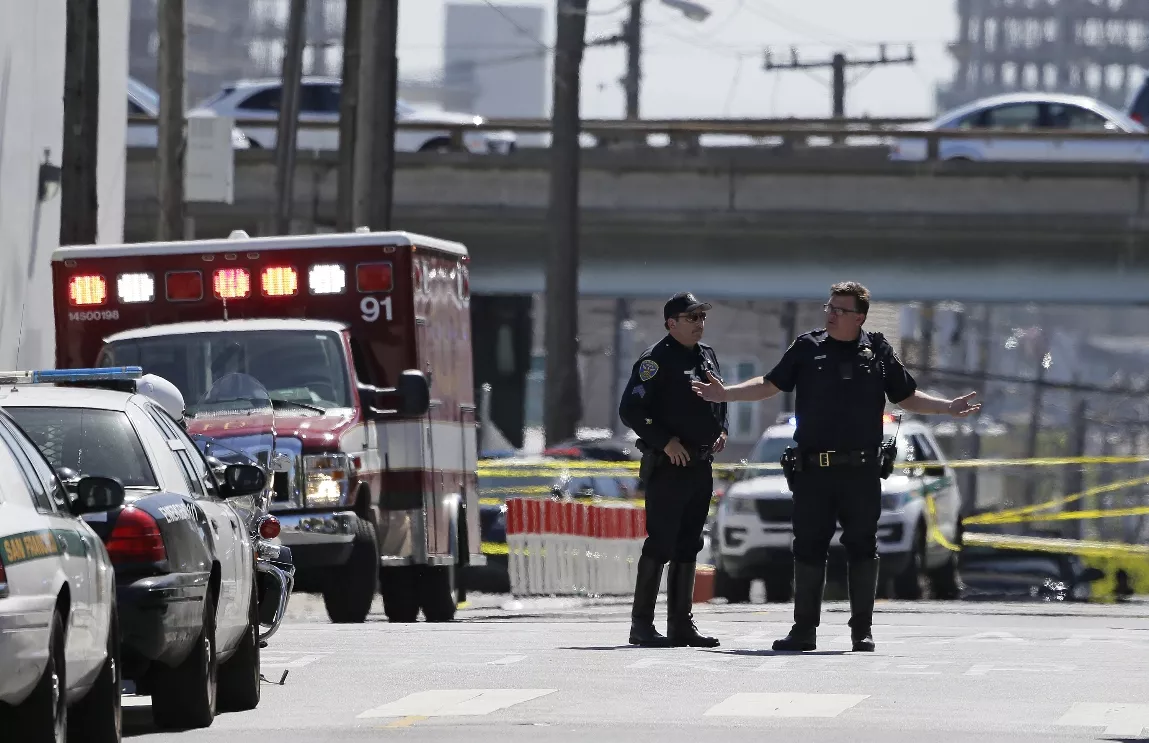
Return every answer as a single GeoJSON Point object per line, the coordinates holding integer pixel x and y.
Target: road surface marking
{"type": "Point", "coordinates": [785, 705]}
{"type": "Point", "coordinates": [455, 702]}
{"type": "Point", "coordinates": [506, 661]}
{"type": "Point", "coordinates": [1117, 719]}
{"type": "Point", "coordinates": [405, 722]}
{"type": "Point", "coordinates": [289, 660]}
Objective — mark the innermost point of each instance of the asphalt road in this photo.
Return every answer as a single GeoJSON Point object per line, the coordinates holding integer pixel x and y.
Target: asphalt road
{"type": "Point", "coordinates": [551, 670]}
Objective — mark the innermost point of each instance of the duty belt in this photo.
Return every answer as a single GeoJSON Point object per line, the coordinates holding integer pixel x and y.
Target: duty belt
{"type": "Point", "coordinates": [823, 459]}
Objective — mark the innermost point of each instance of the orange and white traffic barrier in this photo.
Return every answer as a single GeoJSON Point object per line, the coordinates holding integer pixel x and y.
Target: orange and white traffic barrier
{"type": "Point", "coordinates": [562, 548]}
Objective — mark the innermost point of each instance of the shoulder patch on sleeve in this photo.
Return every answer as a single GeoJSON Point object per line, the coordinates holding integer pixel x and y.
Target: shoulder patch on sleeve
{"type": "Point", "coordinates": [647, 369]}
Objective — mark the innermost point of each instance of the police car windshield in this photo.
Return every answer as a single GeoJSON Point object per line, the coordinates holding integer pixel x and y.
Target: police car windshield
{"type": "Point", "coordinates": [770, 448]}
{"type": "Point", "coordinates": [301, 368]}
{"type": "Point", "coordinates": [102, 443]}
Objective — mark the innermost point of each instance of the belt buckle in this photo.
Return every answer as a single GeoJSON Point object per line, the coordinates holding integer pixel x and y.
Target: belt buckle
{"type": "Point", "coordinates": [824, 458]}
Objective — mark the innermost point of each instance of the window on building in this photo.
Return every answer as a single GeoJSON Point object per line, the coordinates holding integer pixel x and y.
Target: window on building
{"type": "Point", "coordinates": [745, 417]}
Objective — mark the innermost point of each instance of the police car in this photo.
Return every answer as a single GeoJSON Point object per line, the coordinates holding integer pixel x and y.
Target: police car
{"type": "Point", "coordinates": [184, 561]}
{"type": "Point", "coordinates": [59, 640]}
{"type": "Point", "coordinates": [752, 531]}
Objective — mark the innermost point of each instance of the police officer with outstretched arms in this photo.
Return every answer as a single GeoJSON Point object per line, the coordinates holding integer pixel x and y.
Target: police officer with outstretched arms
{"type": "Point", "coordinates": [842, 376]}
{"type": "Point", "coordinates": [679, 434]}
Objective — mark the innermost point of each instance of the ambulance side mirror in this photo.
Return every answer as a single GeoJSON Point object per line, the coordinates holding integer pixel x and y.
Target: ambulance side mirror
{"type": "Point", "coordinates": [411, 398]}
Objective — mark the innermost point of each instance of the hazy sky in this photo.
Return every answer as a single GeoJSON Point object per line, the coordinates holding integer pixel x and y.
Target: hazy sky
{"type": "Point", "coordinates": [714, 68]}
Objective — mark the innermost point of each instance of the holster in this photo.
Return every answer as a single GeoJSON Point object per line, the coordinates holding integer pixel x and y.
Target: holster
{"type": "Point", "coordinates": [791, 463]}
{"type": "Point", "coordinates": [650, 458]}
{"type": "Point", "coordinates": [887, 455]}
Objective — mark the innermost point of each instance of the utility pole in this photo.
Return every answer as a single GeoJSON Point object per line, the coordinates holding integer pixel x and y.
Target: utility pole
{"type": "Point", "coordinates": [348, 111]}
{"type": "Point", "coordinates": [563, 408]}
{"type": "Point", "coordinates": [374, 180]}
{"type": "Point", "coordinates": [632, 38]}
{"type": "Point", "coordinates": [79, 208]}
{"type": "Point", "coordinates": [288, 129]}
{"type": "Point", "coordinates": [171, 145]}
{"type": "Point", "coordinates": [838, 63]}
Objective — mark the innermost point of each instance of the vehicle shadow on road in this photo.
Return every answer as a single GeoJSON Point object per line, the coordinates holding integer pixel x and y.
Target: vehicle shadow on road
{"type": "Point", "coordinates": [760, 653]}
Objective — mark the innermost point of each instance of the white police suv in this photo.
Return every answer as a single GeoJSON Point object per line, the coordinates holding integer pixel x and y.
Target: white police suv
{"type": "Point", "coordinates": [751, 534]}
{"type": "Point", "coordinates": [59, 633]}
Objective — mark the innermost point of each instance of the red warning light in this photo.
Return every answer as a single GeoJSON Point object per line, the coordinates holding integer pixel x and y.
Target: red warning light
{"type": "Point", "coordinates": [232, 283]}
{"type": "Point", "coordinates": [374, 277]}
{"type": "Point", "coordinates": [184, 286]}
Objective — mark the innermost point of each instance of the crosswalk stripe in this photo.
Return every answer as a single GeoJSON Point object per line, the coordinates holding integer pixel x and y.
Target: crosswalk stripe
{"type": "Point", "coordinates": [455, 702]}
{"type": "Point", "coordinates": [1117, 719]}
{"type": "Point", "coordinates": [784, 705]}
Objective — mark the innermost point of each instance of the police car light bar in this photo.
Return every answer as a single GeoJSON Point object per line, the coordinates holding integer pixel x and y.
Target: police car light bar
{"type": "Point", "coordinates": [47, 376]}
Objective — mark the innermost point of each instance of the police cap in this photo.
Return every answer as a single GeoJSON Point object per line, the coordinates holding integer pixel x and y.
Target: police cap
{"type": "Point", "coordinates": [683, 302]}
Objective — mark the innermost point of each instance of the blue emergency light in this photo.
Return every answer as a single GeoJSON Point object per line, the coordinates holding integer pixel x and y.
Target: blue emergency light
{"type": "Point", "coordinates": [48, 376]}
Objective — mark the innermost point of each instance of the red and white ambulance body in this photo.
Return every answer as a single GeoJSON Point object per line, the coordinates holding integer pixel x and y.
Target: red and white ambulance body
{"type": "Point", "coordinates": [362, 340]}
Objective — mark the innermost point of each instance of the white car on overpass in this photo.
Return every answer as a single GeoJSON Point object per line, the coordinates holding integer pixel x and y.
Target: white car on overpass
{"type": "Point", "coordinates": [751, 535]}
{"type": "Point", "coordinates": [319, 118]}
{"type": "Point", "coordinates": [143, 101]}
{"type": "Point", "coordinates": [1036, 112]}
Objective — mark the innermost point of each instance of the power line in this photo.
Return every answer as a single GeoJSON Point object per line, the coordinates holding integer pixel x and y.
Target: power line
{"type": "Point", "coordinates": [838, 63]}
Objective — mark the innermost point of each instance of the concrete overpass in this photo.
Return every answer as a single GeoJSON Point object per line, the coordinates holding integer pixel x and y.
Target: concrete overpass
{"type": "Point", "coordinates": [742, 222]}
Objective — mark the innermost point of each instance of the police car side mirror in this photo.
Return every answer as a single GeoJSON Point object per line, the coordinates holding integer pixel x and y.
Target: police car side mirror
{"type": "Point", "coordinates": [95, 494]}
{"type": "Point", "coordinates": [242, 479]}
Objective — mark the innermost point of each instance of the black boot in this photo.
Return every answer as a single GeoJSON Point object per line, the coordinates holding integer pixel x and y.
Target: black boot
{"type": "Point", "coordinates": [862, 581]}
{"type": "Point", "coordinates": [809, 585]}
{"type": "Point", "coordinates": [642, 631]}
{"type": "Point", "coordinates": [680, 627]}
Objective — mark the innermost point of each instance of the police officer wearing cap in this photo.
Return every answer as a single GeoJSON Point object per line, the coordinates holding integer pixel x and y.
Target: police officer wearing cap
{"type": "Point", "coordinates": [843, 376]}
{"type": "Point", "coordinates": [679, 434]}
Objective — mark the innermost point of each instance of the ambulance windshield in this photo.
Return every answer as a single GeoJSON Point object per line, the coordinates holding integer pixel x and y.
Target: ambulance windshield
{"type": "Point", "coordinates": [302, 370]}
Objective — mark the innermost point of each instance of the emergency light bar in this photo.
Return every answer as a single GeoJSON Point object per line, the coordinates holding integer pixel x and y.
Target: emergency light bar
{"type": "Point", "coordinates": [47, 376]}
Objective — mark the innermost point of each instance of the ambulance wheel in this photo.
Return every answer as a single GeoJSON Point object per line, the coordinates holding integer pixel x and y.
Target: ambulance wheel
{"type": "Point", "coordinates": [400, 596]}
{"type": "Point", "coordinates": [437, 593]}
{"type": "Point", "coordinates": [349, 592]}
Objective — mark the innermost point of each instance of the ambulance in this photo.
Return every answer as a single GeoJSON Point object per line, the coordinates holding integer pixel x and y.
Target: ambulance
{"type": "Point", "coordinates": [362, 340]}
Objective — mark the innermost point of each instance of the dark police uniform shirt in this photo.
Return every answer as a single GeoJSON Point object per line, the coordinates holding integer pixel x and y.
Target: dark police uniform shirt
{"type": "Point", "coordinates": [840, 389]}
{"type": "Point", "coordinates": [659, 404]}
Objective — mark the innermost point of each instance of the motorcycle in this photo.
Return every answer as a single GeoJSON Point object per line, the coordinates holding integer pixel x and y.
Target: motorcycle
{"type": "Point", "coordinates": [234, 423]}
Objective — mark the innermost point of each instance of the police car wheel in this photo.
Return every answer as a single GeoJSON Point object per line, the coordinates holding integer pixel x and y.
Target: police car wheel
{"type": "Point", "coordinates": [734, 590]}
{"type": "Point", "coordinates": [98, 717]}
{"type": "Point", "coordinates": [239, 682]}
{"type": "Point", "coordinates": [185, 696]}
{"type": "Point", "coordinates": [43, 716]}
{"type": "Point", "coordinates": [912, 583]}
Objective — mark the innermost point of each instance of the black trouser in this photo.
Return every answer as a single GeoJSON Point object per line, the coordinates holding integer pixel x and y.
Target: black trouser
{"type": "Point", "coordinates": [825, 497]}
{"type": "Point", "coordinates": [677, 503]}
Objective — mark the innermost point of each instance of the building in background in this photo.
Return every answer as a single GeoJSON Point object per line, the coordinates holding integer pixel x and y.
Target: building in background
{"type": "Point", "coordinates": [32, 58]}
{"type": "Point", "coordinates": [233, 39]}
{"type": "Point", "coordinates": [1072, 46]}
{"type": "Point", "coordinates": [493, 62]}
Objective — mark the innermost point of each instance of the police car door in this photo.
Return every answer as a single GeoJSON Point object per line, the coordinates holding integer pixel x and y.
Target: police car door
{"type": "Point", "coordinates": [236, 560]}
{"type": "Point", "coordinates": [936, 483]}
{"type": "Point", "coordinates": [75, 547]}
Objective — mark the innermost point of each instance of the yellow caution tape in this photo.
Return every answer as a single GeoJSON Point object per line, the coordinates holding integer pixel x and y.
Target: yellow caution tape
{"type": "Point", "coordinates": [494, 548]}
{"type": "Point", "coordinates": [1097, 513]}
{"type": "Point", "coordinates": [932, 529]}
{"type": "Point", "coordinates": [1007, 516]}
{"type": "Point", "coordinates": [1052, 544]}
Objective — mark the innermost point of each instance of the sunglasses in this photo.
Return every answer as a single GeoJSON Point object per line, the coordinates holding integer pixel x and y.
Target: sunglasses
{"type": "Point", "coordinates": [694, 317]}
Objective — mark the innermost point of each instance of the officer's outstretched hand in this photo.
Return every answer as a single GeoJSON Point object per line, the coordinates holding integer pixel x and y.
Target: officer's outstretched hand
{"type": "Point", "coordinates": [715, 391]}
{"type": "Point", "coordinates": [676, 452]}
{"type": "Point", "coordinates": [960, 407]}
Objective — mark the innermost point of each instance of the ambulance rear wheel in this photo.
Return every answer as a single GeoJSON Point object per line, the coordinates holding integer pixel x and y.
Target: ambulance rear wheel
{"type": "Point", "coordinates": [437, 593]}
{"type": "Point", "coordinates": [400, 595]}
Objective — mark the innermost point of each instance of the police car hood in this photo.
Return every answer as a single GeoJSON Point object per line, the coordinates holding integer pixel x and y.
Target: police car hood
{"type": "Point", "coordinates": [774, 486]}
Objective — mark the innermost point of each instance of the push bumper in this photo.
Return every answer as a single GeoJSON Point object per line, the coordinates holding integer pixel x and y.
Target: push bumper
{"type": "Point", "coordinates": [317, 539]}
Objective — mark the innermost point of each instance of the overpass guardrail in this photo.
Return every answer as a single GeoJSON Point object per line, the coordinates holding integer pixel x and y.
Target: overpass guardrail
{"type": "Point", "coordinates": [688, 133]}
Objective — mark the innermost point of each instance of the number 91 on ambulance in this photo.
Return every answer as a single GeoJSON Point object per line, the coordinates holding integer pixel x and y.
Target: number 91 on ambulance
{"type": "Point", "coordinates": [363, 343]}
